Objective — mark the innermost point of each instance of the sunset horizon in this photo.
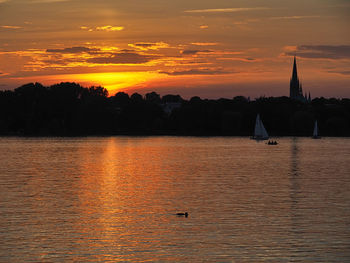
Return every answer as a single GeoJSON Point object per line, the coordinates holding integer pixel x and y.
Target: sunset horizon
{"type": "Point", "coordinates": [187, 48]}
{"type": "Point", "coordinates": [174, 131]}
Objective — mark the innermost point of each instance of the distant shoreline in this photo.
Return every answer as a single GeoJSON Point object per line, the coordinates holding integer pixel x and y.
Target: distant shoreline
{"type": "Point", "coordinates": [159, 135]}
{"type": "Point", "coordinates": [70, 110]}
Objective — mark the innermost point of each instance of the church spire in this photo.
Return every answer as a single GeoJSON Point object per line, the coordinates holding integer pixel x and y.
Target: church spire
{"type": "Point", "coordinates": [295, 90]}
{"type": "Point", "coordinates": [295, 72]}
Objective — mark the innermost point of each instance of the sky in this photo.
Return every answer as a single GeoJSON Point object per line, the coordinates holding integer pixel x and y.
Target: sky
{"type": "Point", "coordinates": [205, 48]}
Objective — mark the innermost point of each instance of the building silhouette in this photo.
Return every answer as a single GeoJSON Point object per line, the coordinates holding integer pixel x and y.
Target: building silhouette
{"type": "Point", "coordinates": [295, 88]}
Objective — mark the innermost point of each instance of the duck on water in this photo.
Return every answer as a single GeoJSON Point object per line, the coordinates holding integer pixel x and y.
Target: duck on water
{"type": "Point", "coordinates": [182, 214]}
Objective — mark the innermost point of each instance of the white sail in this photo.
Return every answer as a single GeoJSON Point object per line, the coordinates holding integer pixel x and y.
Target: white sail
{"type": "Point", "coordinates": [257, 130]}
{"type": "Point", "coordinates": [260, 132]}
{"type": "Point", "coordinates": [315, 134]}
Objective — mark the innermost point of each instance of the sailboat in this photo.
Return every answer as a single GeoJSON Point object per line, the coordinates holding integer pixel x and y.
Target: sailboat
{"type": "Point", "coordinates": [260, 132]}
{"type": "Point", "coordinates": [315, 134]}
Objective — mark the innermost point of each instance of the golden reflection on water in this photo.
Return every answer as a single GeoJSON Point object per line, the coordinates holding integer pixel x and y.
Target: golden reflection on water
{"type": "Point", "coordinates": [114, 199]}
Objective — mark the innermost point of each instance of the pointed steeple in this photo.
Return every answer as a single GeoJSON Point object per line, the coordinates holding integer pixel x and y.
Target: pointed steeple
{"type": "Point", "coordinates": [295, 72]}
{"type": "Point", "coordinates": [295, 91]}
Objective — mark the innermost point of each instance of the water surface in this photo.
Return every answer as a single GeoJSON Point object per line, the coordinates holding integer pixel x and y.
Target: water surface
{"type": "Point", "coordinates": [115, 198]}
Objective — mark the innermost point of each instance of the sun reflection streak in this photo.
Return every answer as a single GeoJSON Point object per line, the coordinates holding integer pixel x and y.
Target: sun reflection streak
{"type": "Point", "coordinates": [114, 188]}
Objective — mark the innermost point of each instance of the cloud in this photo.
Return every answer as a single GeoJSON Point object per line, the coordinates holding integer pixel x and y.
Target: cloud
{"type": "Point", "coordinates": [342, 72]}
{"type": "Point", "coordinates": [240, 59]}
{"type": "Point", "coordinates": [46, 1]}
{"type": "Point", "coordinates": [122, 58]}
{"type": "Point", "coordinates": [194, 72]}
{"type": "Point", "coordinates": [71, 50]}
{"type": "Point", "coordinates": [11, 27]}
{"type": "Point", "coordinates": [226, 10]}
{"type": "Point", "coordinates": [107, 28]}
{"type": "Point", "coordinates": [204, 27]}
{"type": "Point", "coordinates": [33, 61]}
{"type": "Point", "coordinates": [321, 51]}
{"type": "Point", "coordinates": [149, 46]}
{"type": "Point", "coordinates": [97, 56]}
{"type": "Point", "coordinates": [194, 52]}
{"type": "Point", "coordinates": [62, 61]}
{"type": "Point", "coordinates": [82, 56]}
{"type": "Point", "coordinates": [125, 50]}
{"type": "Point", "coordinates": [3, 74]}
{"type": "Point", "coordinates": [291, 17]}
{"type": "Point", "coordinates": [86, 28]}
{"type": "Point", "coordinates": [204, 43]}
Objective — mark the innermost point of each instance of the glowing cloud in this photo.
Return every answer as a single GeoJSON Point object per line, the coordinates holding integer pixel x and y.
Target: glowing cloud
{"type": "Point", "coordinates": [107, 28]}
{"type": "Point", "coordinates": [225, 10]}
{"type": "Point", "coordinates": [291, 17]}
{"type": "Point", "coordinates": [110, 28]}
{"type": "Point", "coordinates": [204, 43]}
{"type": "Point", "coordinates": [112, 81]}
{"type": "Point", "coordinates": [11, 27]}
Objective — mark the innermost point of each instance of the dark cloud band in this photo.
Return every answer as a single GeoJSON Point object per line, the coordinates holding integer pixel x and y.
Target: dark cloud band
{"type": "Point", "coordinates": [122, 58]}
{"type": "Point", "coordinates": [195, 72]}
{"type": "Point", "coordinates": [322, 51]}
{"type": "Point", "coordinates": [71, 50]}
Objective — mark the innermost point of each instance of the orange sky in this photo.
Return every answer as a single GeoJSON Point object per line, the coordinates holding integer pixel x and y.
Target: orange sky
{"type": "Point", "coordinates": [207, 48]}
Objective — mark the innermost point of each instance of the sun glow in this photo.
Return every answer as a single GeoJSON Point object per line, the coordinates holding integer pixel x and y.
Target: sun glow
{"type": "Point", "coordinates": [112, 81]}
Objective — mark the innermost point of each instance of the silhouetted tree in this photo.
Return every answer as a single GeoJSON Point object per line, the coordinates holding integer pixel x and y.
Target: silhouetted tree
{"type": "Point", "coordinates": [136, 98]}
{"type": "Point", "coordinates": [302, 123]}
{"type": "Point", "coordinates": [171, 98]}
{"type": "Point", "coordinates": [121, 99]}
{"type": "Point", "coordinates": [70, 109]}
{"type": "Point", "coordinates": [231, 123]}
{"type": "Point", "coordinates": [152, 97]}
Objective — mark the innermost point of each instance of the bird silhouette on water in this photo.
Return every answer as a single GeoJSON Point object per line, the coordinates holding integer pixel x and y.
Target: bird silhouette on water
{"type": "Point", "coordinates": [182, 214]}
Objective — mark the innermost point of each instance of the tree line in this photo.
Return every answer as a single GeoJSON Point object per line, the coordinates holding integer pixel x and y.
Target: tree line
{"type": "Point", "coordinates": [68, 109]}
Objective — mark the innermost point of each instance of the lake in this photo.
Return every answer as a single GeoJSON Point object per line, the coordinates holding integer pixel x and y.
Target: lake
{"type": "Point", "coordinates": [114, 199]}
